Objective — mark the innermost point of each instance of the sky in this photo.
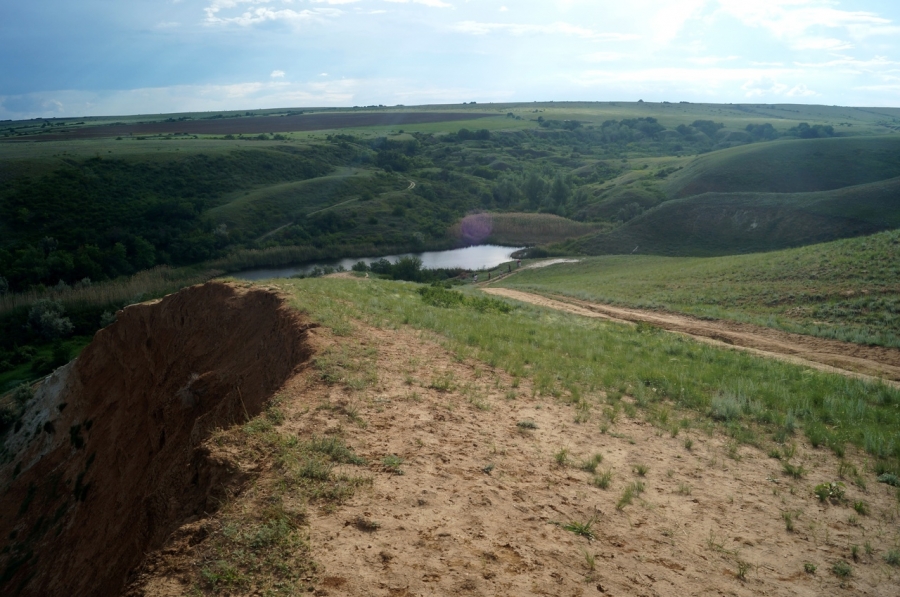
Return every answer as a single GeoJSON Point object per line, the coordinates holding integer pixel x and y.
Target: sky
{"type": "Point", "coordinates": [107, 57]}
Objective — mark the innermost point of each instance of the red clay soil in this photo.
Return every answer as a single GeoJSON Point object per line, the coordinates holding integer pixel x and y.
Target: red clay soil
{"type": "Point", "coordinates": [109, 460]}
{"type": "Point", "coordinates": [260, 124]}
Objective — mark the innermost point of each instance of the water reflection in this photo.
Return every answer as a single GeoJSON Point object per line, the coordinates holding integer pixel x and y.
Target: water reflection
{"type": "Point", "coordinates": [471, 258]}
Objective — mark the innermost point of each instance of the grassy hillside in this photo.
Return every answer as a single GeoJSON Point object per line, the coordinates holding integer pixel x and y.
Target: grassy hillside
{"type": "Point", "coordinates": [569, 357]}
{"type": "Point", "coordinates": [847, 289]}
{"type": "Point", "coordinates": [790, 166]}
{"type": "Point", "coordinates": [730, 223]}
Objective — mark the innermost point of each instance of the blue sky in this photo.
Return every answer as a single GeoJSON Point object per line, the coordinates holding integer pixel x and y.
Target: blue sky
{"type": "Point", "coordinates": [96, 57]}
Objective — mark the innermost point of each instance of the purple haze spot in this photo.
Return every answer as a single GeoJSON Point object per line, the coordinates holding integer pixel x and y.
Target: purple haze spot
{"type": "Point", "coordinates": [476, 227]}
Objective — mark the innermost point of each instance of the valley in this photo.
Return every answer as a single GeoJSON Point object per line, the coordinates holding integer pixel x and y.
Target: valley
{"type": "Point", "coordinates": [686, 382]}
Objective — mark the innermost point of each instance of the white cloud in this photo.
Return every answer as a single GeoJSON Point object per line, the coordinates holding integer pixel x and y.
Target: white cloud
{"type": "Point", "coordinates": [604, 56]}
{"type": "Point", "coordinates": [709, 60]}
{"type": "Point", "coordinates": [432, 3]}
{"type": "Point", "coordinates": [765, 86]}
{"type": "Point", "coordinates": [558, 28]}
{"type": "Point", "coordinates": [791, 19]}
{"type": "Point", "coordinates": [277, 74]}
{"type": "Point", "coordinates": [218, 8]}
{"type": "Point", "coordinates": [820, 43]}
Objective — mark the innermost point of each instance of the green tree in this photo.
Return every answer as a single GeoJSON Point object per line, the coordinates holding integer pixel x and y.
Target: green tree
{"type": "Point", "coordinates": [506, 192]}
{"type": "Point", "coordinates": [144, 254]}
{"type": "Point", "coordinates": [534, 188]}
{"type": "Point", "coordinates": [559, 191]}
{"type": "Point", "coordinates": [46, 318]}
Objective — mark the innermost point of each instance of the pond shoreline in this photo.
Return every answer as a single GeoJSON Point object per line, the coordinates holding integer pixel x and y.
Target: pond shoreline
{"type": "Point", "coordinates": [474, 258]}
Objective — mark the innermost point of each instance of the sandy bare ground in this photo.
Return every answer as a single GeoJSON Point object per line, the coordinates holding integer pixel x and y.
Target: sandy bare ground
{"type": "Point", "coordinates": [481, 502]}
{"type": "Point", "coordinates": [829, 355]}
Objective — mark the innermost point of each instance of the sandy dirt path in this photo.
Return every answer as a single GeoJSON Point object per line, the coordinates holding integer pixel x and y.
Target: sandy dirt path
{"type": "Point", "coordinates": [828, 355]}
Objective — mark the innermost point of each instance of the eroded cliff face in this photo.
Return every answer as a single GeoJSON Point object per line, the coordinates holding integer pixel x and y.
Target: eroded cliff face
{"type": "Point", "coordinates": [108, 459]}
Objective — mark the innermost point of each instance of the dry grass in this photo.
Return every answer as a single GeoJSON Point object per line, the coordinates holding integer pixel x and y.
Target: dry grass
{"type": "Point", "coordinates": [150, 283]}
{"type": "Point", "coordinates": [525, 228]}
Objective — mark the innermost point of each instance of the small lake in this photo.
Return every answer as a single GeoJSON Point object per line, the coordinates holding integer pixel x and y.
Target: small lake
{"type": "Point", "coordinates": [471, 258]}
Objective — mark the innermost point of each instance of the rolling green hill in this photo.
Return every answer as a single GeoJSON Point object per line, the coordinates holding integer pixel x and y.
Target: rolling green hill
{"type": "Point", "coordinates": [730, 223]}
{"type": "Point", "coordinates": [790, 166]}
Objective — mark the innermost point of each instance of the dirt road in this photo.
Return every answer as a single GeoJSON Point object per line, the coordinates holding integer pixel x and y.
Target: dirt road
{"type": "Point", "coordinates": [827, 355]}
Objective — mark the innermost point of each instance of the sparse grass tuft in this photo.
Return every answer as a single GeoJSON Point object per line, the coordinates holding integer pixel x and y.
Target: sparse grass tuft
{"type": "Point", "coordinates": [562, 457]}
{"type": "Point", "coordinates": [527, 425]}
{"type": "Point", "coordinates": [582, 529]}
{"type": "Point", "coordinates": [809, 567]}
{"type": "Point", "coordinates": [590, 560]}
{"type": "Point", "coordinates": [632, 491]}
{"type": "Point", "coordinates": [842, 569]}
{"type": "Point", "coordinates": [590, 465]}
{"type": "Point", "coordinates": [892, 557]}
{"type": "Point", "coordinates": [792, 470]}
{"type": "Point", "coordinates": [742, 569]}
{"type": "Point", "coordinates": [603, 480]}
{"type": "Point", "coordinates": [788, 518]}
{"type": "Point", "coordinates": [861, 507]}
{"type": "Point", "coordinates": [641, 469]}
{"type": "Point", "coordinates": [392, 463]}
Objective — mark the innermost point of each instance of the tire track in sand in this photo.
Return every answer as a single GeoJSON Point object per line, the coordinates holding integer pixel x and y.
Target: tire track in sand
{"type": "Point", "coordinates": [873, 363]}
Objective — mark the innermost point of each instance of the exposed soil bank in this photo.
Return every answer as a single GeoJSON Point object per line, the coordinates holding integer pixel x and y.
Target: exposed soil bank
{"type": "Point", "coordinates": [108, 461]}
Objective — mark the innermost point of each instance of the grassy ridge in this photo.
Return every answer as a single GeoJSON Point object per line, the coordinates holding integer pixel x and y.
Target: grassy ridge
{"type": "Point", "coordinates": [574, 358]}
{"type": "Point", "coordinates": [847, 289]}
{"type": "Point", "coordinates": [728, 223]}
{"type": "Point", "coordinates": [790, 166]}
{"type": "Point", "coordinates": [254, 211]}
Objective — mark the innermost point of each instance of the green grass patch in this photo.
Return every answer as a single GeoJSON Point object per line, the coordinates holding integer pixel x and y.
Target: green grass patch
{"type": "Point", "coordinates": [562, 352]}
{"type": "Point", "coordinates": [845, 290]}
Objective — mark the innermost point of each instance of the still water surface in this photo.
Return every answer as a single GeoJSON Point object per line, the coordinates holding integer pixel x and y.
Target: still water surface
{"type": "Point", "coordinates": [471, 258]}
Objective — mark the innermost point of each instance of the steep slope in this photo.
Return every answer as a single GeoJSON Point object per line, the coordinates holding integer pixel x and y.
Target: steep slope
{"type": "Point", "coordinates": [108, 460]}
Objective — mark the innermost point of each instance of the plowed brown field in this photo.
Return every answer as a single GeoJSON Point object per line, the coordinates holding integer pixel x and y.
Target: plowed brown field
{"type": "Point", "coordinates": [261, 124]}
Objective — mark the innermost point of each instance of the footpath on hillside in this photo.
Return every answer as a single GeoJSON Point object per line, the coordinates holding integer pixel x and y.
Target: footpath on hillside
{"type": "Point", "coordinates": [845, 358]}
